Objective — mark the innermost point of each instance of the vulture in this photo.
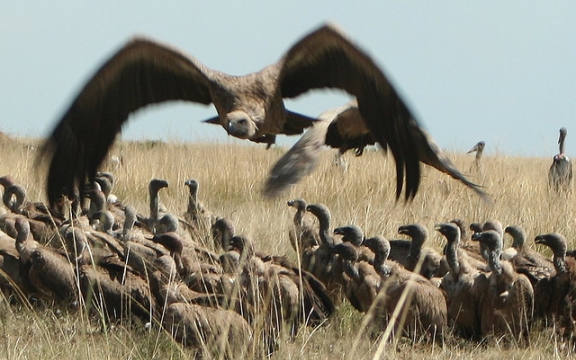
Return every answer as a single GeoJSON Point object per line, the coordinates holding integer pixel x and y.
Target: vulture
{"type": "Point", "coordinates": [156, 207]}
{"type": "Point", "coordinates": [7, 181]}
{"type": "Point", "coordinates": [318, 260]}
{"type": "Point", "coordinates": [160, 221]}
{"type": "Point", "coordinates": [556, 297]}
{"type": "Point", "coordinates": [304, 235]}
{"type": "Point", "coordinates": [427, 260]}
{"type": "Point", "coordinates": [478, 149]}
{"type": "Point", "coordinates": [422, 305]}
{"type": "Point", "coordinates": [222, 232]}
{"type": "Point", "coordinates": [508, 305]}
{"type": "Point", "coordinates": [525, 260]}
{"type": "Point", "coordinates": [278, 290]}
{"type": "Point", "coordinates": [360, 281]}
{"type": "Point", "coordinates": [560, 173]}
{"type": "Point", "coordinates": [145, 72]}
{"type": "Point", "coordinates": [465, 286]}
{"type": "Point", "coordinates": [43, 221]}
{"type": "Point", "coordinates": [197, 215]}
{"type": "Point", "coordinates": [106, 181]}
{"type": "Point", "coordinates": [50, 274]}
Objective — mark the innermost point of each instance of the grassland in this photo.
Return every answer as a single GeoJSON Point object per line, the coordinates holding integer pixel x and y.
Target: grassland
{"type": "Point", "coordinates": [231, 178]}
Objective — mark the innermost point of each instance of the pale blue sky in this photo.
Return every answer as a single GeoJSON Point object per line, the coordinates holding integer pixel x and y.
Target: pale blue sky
{"type": "Point", "coordinates": [502, 72]}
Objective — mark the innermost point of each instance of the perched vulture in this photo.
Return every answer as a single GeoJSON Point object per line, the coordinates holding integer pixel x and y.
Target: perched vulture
{"type": "Point", "coordinates": [145, 72]}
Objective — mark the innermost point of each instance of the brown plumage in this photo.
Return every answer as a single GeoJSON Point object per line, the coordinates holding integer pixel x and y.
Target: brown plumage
{"type": "Point", "coordinates": [168, 288]}
{"type": "Point", "coordinates": [250, 107]}
{"type": "Point", "coordinates": [525, 260]}
{"type": "Point", "coordinates": [427, 259]}
{"type": "Point", "coordinates": [464, 285]}
{"type": "Point", "coordinates": [509, 302]}
{"type": "Point", "coordinates": [50, 274]}
{"type": "Point", "coordinates": [342, 128]}
{"type": "Point", "coordinates": [111, 287]}
{"type": "Point", "coordinates": [360, 280]}
{"type": "Point", "coordinates": [560, 173]}
{"type": "Point", "coordinates": [556, 297]}
{"type": "Point", "coordinates": [11, 280]}
{"type": "Point", "coordinates": [189, 258]}
{"type": "Point", "coordinates": [289, 294]}
{"type": "Point", "coordinates": [210, 331]}
{"type": "Point", "coordinates": [422, 305]}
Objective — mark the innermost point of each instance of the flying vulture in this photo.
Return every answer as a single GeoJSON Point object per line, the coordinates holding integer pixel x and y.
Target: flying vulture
{"type": "Point", "coordinates": [145, 72]}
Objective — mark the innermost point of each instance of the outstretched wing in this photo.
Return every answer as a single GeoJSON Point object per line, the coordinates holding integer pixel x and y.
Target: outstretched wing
{"type": "Point", "coordinates": [143, 72]}
{"type": "Point", "coordinates": [327, 59]}
{"type": "Point", "coordinates": [341, 128]}
{"type": "Point", "coordinates": [298, 162]}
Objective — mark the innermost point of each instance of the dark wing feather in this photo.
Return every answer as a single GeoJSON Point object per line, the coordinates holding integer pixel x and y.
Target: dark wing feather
{"type": "Point", "coordinates": [327, 59]}
{"type": "Point", "coordinates": [430, 153]}
{"type": "Point", "coordinates": [141, 73]}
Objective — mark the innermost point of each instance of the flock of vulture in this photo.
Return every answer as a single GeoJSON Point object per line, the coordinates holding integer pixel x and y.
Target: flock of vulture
{"type": "Point", "coordinates": [212, 290]}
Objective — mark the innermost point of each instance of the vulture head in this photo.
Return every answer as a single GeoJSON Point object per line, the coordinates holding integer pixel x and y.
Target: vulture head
{"type": "Point", "coordinates": [192, 185]}
{"type": "Point", "coordinates": [379, 245]}
{"type": "Point", "coordinates": [450, 231]}
{"type": "Point", "coordinates": [321, 211]}
{"type": "Point", "coordinates": [299, 204]}
{"type": "Point", "coordinates": [518, 236]}
{"type": "Point", "coordinates": [417, 232]}
{"type": "Point", "coordinates": [556, 242]}
{"type": "Point", "coordinates": [350, 233]}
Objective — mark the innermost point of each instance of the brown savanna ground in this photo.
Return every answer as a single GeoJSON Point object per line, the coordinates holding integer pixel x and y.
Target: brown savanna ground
{"type": "Point", "coordinates": [231, 177]}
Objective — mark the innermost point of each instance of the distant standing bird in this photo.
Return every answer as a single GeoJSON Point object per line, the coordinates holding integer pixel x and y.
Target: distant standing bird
{"type": "Point", "coordinates": [479, 149]}
{"type": "Point", "coordinates": [560, 173]}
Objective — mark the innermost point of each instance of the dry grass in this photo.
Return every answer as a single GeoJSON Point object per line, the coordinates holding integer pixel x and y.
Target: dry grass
{"type": "Point", "coordinates": [231, 177]}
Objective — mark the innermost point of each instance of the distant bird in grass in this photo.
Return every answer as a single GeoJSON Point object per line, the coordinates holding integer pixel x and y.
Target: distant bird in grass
{"type": "Point", "coordinates": [560, 173]}
{"type": "Point", "coordinates": [251, 107]}
{"type": "Point", "coordinates": [478, 149]}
